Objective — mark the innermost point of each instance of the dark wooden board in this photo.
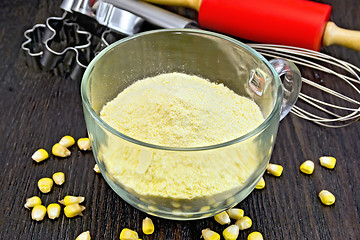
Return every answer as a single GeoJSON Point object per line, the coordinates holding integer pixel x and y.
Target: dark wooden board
{"type": "Point", "coordinates": [38, 108]}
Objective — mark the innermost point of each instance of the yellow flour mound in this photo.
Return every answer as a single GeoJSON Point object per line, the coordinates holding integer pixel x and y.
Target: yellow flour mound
{"type": "Point", "coordinates": [178, 110]}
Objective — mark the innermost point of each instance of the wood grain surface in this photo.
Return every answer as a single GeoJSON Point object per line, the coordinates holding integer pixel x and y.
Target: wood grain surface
{"type": "Point", "coordinates": [38, 108]}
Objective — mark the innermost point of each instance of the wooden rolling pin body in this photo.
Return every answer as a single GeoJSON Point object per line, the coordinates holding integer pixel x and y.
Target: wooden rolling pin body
{"type": "Point", "coordinates": [295, 23]}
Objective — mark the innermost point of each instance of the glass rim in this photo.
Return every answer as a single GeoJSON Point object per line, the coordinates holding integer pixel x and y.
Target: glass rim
{"type": "Point", "coordinates": [85, 100]}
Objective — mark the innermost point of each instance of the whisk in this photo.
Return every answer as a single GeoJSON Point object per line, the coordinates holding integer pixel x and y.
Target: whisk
{"type": "Point", "coordinates": [321, 112]}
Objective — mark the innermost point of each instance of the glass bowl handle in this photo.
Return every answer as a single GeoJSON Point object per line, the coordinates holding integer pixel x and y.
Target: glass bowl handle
{"type": "Point", "coordinates": [291, 83]}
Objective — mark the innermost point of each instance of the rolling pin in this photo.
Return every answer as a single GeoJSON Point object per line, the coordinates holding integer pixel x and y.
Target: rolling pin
{"type": "Point", "coordinates": [297, 23]}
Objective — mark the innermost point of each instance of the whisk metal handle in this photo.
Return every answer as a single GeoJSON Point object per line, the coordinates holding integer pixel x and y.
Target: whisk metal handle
{"type": "Point", "coordinates": [291, 81]}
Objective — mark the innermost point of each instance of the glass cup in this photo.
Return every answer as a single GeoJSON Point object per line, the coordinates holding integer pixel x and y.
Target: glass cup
{"type": "Point", "coordinates": [125, 162]}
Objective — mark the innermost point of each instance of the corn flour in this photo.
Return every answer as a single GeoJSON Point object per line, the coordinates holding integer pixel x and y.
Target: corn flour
{"type": "Point", "coordinates": [179, 110]}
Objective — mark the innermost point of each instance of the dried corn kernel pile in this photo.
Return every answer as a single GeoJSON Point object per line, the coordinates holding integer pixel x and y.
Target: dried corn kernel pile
{"type": "Point", "coordinates": [147, 228]}
{"type": "Point", "coordinates": [231, 232]}
{"type": "Point", "coordinates": [72, 204]}
{"type": "Point", "coordinates": [72, 207]}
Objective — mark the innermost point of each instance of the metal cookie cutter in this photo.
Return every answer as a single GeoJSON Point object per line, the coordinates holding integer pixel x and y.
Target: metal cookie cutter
{"type": "Point", "coordinates": [33, 45]}
{"type": "Point", "coordinates": [120, 23]}
{"type": "Point", "coordinates": [59, 45]}
{"type": "Point", "coordinates": [128, 17]}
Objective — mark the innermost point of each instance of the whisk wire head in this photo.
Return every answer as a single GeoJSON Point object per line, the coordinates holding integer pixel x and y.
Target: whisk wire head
{"type": "Point", "coordinates": [328, 114]}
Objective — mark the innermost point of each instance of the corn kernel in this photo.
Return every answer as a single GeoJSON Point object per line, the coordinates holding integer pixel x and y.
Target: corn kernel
{"type": "Point", "coordinates": [222, 218]}
{"type": "Point", "coordinates": [60, 151]}
{"type": "Point", "coordinates": [148, 226]}
{"type": "Point", "coordinates": [244, 223]}
{"type": "Point", "coordinates": [307, 167]}
{"type": "Point", "coordinates": [59, 178]}
{"type": "Point", "coordinates": [153, 208]}
{"type": "Point", "coordinates": [230, 200]}
{"type": "Point", "coordinates": [73, 210]}
{"type": "Point", "coordinates": [67, 141]}
{"type": "Point", "coordinates": [32, 202]}
{"type": "Point", "coordinates": [40, 155]}
{"type": "Point", "coordinates": [45, 184]}
{"type": "Point", "coordinates": [128, 234]}
{"type": "Point", "coordinates": [84, 144]}
{"type": "Point", "coordinates": [204, 208]}
{"type": "Point", "coordinates": [274, 169]}
{"type": "Point", "coordinates": [326, 197]}
{"type": "Point", "coordinates": [69, 200]}
{"type": "Point", "coordinates": [260, 184]}
{"type": "Point", "coordinates": [235, 213]}
{"type": "Point", "coordinates": [38, 212]}
{"type": "Point", "coordinates": [231, 232]}
{"type": "Point", "coordinates": [96, 168]}
{"type": "Point", "coordinates": [255, 236]}
{"type": "Point", "coordinates": [53, 210]}
{"type": "Point", "coordinates": [208, 234]}
{"type": "Point", "coordinates": [328, 162]}
{"type": "Point", "coordinates": [84, 236]}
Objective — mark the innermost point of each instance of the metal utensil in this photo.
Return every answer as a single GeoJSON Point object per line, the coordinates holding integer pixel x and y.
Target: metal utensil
{"type": "Point", "coordinates": [335, 109]}
{"type": "Point", "coordinates": [155, 15]}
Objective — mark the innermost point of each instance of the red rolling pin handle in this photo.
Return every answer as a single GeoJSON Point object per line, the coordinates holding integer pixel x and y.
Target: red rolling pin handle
{"type": "Point", "coordinates": [297, 23]}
